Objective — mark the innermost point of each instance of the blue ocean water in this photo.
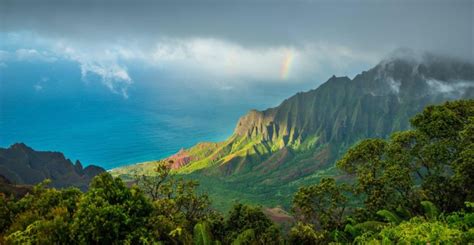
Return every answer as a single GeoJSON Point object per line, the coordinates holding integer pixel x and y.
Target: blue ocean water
{"type": "Point", "coordinates": [51, 107]}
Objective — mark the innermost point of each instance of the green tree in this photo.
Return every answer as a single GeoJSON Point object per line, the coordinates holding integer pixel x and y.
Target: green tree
{"type": "Point", "coordinates": [43, 216]}
{"type": "Point", "coordinates": [111, 213]}
{"type": "Point", "coordinates": [448, 128]}
{"type": "Point", "coordinates": [305, 234]}
{"type": "Point", "coordinates": [157, 184]}
{"type": "Point", "coordinates": [322, 205]}
{"type": "Point", "coordinates": [7, 212]}
{"type": "Point", "coordinates": [177, 207]}
{"type": "Point", "coordinates": [431, 162]}
{"type": "Point", "coordinates": [367, 161]}
{"type": "Point", "coordinates": [249, 225]}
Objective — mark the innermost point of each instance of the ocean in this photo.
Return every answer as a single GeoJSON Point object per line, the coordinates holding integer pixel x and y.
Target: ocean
{"type": "Point", "coordinates": [52, 108]}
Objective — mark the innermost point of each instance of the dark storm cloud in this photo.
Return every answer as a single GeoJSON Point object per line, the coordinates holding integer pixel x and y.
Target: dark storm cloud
{"type": "Point", "coordinates": [380, 26]}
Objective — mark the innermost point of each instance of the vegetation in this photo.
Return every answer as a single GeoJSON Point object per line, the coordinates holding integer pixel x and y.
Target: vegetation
{"type": "Point", "coordinates": [412, 188]}
{"type": "Point", "coordinates": [155, 210]}
{"type": "Point", "coordinates": [415, 187]}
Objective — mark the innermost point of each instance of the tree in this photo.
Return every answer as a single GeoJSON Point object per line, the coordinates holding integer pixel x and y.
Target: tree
{"type": "Point", "coordinates": [43, 216]}
{"type": "Point", "coordinates": [436, 156]}
{"type": "Point", "coordinates": [246, 224]}
{"type": "Point", "coordinates": [202, 234]}
{"type": "Point", "coordinates": [322, 205]}
{"type": "Point", "coordinates": [367, 161]}
{"type": "Point", "coordinates": [111, 213]}
{"type": "Point", "coordinates": [7, 212]}
{"type": "Point", "coordinates": [157, 184]}
{"type": "Point", "coordinates": [177, 208]}
{"type": "Point", "coordinates": [305, 234]}
{"type": "Point", "coordinates": [449, 129]}
{"type": "Point", "coordinates": [463, 166]}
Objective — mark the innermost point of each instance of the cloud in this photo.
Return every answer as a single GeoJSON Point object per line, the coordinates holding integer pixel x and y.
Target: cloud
{"type": "Point", "coordinates": [103, 63]}
{"type": "Point", "coordinates": [394, 85]}
{"type": "Point", "coordinates": [235, 63]}
{"type": "Point", "coordinates": [377, 26]}
{"type": "Point", "coordinates": [451, 88]}
{"type": "Point", "coordinates": [26, 54]}
{"type": "Point", "coordinates": [113, 76]}
{"type": "Point", "coordinates": [221, 59]}
{"type": "Point", "coordinates": [4, 55]}
{"type": "Point", "coordinates": [216, 62]}
{"type": "Point", "coordinates": [230, 43]}
{"type": "Point", "coordinates": [33, 55]}
{"type": "Point", "coordinates": [38, 87]}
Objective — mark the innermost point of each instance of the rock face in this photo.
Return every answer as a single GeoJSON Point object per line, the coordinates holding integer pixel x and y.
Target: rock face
{"type": "Point", "coordinates": [373, 104]}
{"type": "Point", "coordinates": [180, 159]}
{"type": "Point", "coordinates": [22, 165]}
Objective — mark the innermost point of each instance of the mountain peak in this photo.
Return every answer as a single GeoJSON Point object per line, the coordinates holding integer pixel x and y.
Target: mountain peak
{"type": "Point", "coordinates": [20, 146]}
{"type": "Point", "coordinates": [330, 112]}
{"type": "Point", "coordinates": [405, 64]}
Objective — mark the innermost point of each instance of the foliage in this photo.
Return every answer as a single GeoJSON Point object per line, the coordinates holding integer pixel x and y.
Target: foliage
{"type": "Point", "coordinates": [305, 234]}
{"type": "Point", "coordinates": [321, 205]}
{"type": "Point", "coordinates": [414, 186]}
{"type": "Point", "coordinates": [202, 234]}
{"type": "Point", "coordinates": [421, 231]}
{"type": "Point", "coordinates": [246, 223]}
{"type": "Point", "coordinates": [417, 164]}
{"type": "Point", "coordinates": [110, 212]}
{"type": "Point", "coordinates": [6, 212]}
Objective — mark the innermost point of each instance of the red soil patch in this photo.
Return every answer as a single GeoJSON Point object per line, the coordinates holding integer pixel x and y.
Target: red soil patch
{"type": "Point", "coordinates": [278, 215]}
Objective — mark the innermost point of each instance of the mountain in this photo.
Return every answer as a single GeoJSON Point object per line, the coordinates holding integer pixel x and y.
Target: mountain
{"type": "Point", "coordinates": [274, 151]}
{"type": "Point", "coordinates": [20, 164]}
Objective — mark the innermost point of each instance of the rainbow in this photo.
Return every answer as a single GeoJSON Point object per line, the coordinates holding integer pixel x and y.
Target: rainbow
{"type": "Point", "coordinates": [286, 65]}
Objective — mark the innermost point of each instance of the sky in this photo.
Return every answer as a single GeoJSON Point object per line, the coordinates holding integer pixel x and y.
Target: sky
{"type": "Point", "coordinates": [230, 44]}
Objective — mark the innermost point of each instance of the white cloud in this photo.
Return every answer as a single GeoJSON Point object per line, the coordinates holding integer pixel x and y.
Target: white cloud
{"type": "Point", "coordinates": [24, 54]}
{"type": "Point", "coordinates": [394, 85]}
{"type": "Point", "coordinates": [457, 87]}
{"type": "Point", "coordinates": [4, 55]}
{"type": "Point", "coordinates": [222, 60]}
{"type": "Point", "coordinates": [34, 55]}
{"type": "Point", "coordinates": [230, 61]}
{"type": "Point", "coordinates": [218, 62]}
{"type": "Point", "coordinates": [38, 87]}
{"type": "Point", "coordinates": [104, 63]}
{"type": "Point", "coordinates": [113, 76]}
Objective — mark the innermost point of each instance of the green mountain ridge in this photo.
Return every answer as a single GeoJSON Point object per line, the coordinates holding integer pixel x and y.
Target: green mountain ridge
{"type": "Point", "coordinates": [273, 152]}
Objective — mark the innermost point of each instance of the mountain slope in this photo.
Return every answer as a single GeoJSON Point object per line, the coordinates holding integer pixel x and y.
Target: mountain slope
{"type": "Point", "coordinates": [274, 151]}
{"type": "Point", "coordinates": [22, 165]}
